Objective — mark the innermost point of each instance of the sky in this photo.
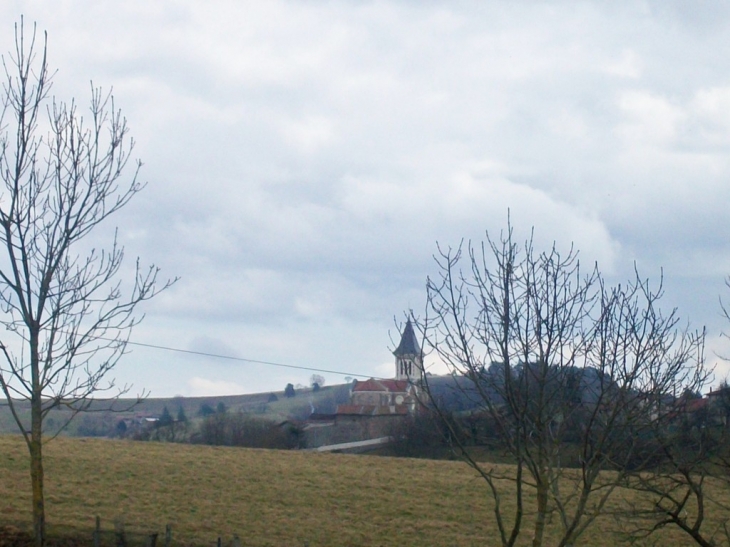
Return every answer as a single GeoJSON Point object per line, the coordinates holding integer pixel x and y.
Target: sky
{"type": "Point", "coordinates": [303, 160]}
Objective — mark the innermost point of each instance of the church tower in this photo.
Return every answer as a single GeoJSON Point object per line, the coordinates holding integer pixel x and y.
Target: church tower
{"type": "Point", "coordinates": [408, 356]}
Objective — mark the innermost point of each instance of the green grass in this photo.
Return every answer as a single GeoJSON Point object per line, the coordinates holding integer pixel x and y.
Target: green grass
{"type": "Point", "coordinates": [265, 497]}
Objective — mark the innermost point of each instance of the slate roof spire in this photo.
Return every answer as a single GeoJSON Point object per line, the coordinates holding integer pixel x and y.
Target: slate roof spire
{"type": "Point", "coordinates": [408, 342]}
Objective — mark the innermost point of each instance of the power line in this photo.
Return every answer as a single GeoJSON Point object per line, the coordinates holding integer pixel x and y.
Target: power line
{"type": "Point", "coordinates": [242, 359]}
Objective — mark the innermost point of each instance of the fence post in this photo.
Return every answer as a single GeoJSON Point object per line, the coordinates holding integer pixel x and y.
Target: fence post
{"type": "Point", "coordinates": [152, 540]}
{"type": "Point", "coordinates": [97, 532]}
{"type": "Point", "coordinates": [220, 544]}
{"type": "Point", "coordinates": [119, 532]}
{"type": "Point", "coordinates": [168, 535]}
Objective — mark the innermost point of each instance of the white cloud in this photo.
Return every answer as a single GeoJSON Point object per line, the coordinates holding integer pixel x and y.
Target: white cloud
{"type": "Point", "coordinates": [717, 353]}
{"type": "Point", "coordinates": [650, 119]}
{"type": "Point", "coordinates": [308, 134]}
{"type": "Point", "coordinates": [710, 109]}
{"type": "Point", "coordinates": [629, 65]}
{"type": "Point", "coordinates": [385, 370]}
{"type": "Point", "coordinates": [203, 387]}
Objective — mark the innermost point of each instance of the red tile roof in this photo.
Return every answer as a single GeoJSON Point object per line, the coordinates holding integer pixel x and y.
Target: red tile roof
{"type": "Point", "coordinates": [694, 405]}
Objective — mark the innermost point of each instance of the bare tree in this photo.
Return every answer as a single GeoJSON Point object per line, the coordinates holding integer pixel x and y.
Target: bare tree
{"type": "Point", "coordinates": [693, 437]}
{"type": "Point", "coordinates": [66, 314]}
{"type": "Point", "coordinates": [316, 381]}
{"type": "Point", "coordinates": [563, 370]}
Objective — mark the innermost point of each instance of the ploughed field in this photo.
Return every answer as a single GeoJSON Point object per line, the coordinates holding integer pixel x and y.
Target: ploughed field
{"type": "Point", "coordinates": [266, 497]}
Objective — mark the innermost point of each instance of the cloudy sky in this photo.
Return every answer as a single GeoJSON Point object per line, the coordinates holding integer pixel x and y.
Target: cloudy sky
{"type": "Point", "coordinates": [303, 159]}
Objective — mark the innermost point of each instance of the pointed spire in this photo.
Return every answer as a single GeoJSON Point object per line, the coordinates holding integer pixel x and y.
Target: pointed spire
{"type": "Point", "coordinates": [408, 342]}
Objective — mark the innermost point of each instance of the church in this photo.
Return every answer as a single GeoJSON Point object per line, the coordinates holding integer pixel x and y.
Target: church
{"type": "Point", "coordinates": [399, 396]}
{"type": "Point", "coordinates": [376, 407]}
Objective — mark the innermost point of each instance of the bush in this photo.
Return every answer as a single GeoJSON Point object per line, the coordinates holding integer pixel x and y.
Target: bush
{"type": "Point", "coordinates": [206, 410]}
{"type": "Point", "coordinates": [121, 428]}
{"type": "Point", "coordinates": [240, 429]}
{"type": "Point", "coordinates": [165, 418]}
{"type": "Point", "coordinates": [96, 425]}
{"type": "Point", "coordinates": [422, 435]}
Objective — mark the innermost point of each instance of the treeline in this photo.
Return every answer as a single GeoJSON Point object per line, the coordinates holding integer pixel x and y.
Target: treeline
{"type": "Point", "coordinates": [272, 422]}
{"type": "Point", "coordinates": [223, 428]}
{"type": "Point", "coordinates": [688, 424]}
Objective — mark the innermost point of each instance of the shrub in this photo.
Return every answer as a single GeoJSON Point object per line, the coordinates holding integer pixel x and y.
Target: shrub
{"type": "Point", "coordinates": [240, 429]}
{"type": "Point", "coordinates": [205, 410]}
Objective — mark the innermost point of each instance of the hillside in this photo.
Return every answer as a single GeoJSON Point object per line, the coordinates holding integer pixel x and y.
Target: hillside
{"type": "Point", "coordinates": [266, 497]}
{"type": "Point", "coordinates": [104, 414]}
{"type": "Point", "coordinates": [453, 393]}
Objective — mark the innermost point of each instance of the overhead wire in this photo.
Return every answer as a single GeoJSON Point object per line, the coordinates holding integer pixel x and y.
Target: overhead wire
{"type": "Point", "coordinates": [245, 360]}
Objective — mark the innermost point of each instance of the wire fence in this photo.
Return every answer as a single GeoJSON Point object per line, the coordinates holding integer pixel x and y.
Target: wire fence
{"type": "Point", "coordinates": [116, 534]}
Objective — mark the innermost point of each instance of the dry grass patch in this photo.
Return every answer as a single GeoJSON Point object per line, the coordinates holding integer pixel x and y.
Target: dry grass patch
{"type": "Point", "coordinates": [266, 497]}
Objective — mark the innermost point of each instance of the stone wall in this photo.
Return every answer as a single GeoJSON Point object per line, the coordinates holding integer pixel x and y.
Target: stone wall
{"type": "Point", "coordinates": [347, 429]}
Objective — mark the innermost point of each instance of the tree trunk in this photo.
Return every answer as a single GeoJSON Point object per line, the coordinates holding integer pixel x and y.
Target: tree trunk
{"type": "Point", "coordinates": [36, 442]}
{"type": "Point", "coordinates": [36, 476]}
{"type": "Point", "coordinates": [541, 517]}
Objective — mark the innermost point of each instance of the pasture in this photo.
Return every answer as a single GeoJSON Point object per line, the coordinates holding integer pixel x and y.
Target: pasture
{"type": "Point", "coordinates": [266, 497]}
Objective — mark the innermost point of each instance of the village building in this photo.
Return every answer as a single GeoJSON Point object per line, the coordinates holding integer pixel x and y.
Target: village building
{"type": "Point", "coordinates": [375, 397]}
{"type": "Point", "coordinates": [375, 405]}
{"type": "Point", "coordinates": [381, 397]}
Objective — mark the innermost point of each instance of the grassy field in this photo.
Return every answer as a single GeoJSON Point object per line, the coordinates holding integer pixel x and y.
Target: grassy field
{"type": "Point", "coordinates": [265, 497]}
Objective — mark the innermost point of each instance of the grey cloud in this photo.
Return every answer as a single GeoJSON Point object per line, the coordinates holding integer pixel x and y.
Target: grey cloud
{"type": "Point", "coordinates": [304, 159]}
